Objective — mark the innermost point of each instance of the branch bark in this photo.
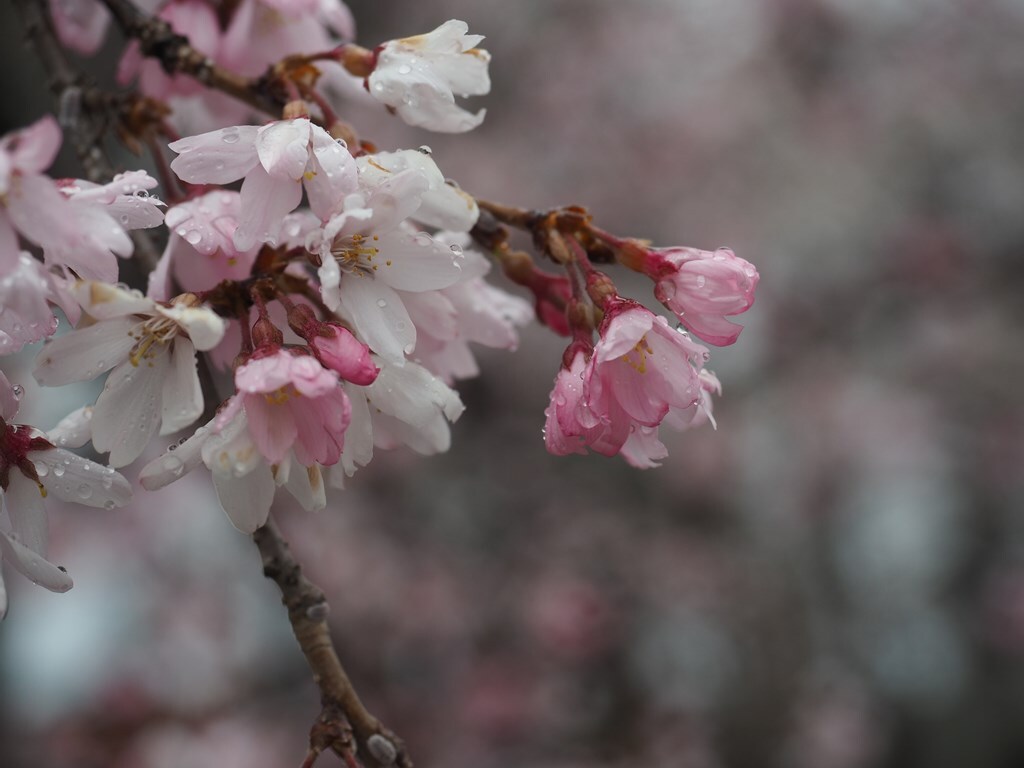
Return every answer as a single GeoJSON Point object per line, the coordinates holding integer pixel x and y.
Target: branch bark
{"type": "Point", "coordinates": [343, 716]}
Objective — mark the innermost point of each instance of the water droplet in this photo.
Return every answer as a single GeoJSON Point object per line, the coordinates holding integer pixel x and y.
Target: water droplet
{"type": "Point", "coordinates": [456, 249]}
{"type": "Point", "coordinates": [426, 150]}
{"type": "Point", "coordinates": [405, 69]}
{"type": "Point", "coordinates": [701, 281]}
{"type": "Point", "coordinates": [193, 236]}
{"type": "Point", "coordinates": [378, 87]}
{"type": "Point", "coordinates": [409, 349]}
{"type": "Point", "coordinates": [381, 303]}
{"type": "Point", "coordinates": [107, 482]}
{"type": "Point", "coordinates": [58, 471]}
{"type": "Point", "coordinates": [41, 469]}
{"type": "Point", "coordinates": [18, 391]}
{"type": "Point", "coordinates": [423, 239]}
{"type": "Point", "coordinates": [124, 219]}
{"type": "Point", "coordinates": [749, 271]}
{"type": "Point", "coordinates": [84, 491]}
{"type": "Point", "coordinates": [230, 135]}
{"type": "Point", "coordinates": [109, 504]}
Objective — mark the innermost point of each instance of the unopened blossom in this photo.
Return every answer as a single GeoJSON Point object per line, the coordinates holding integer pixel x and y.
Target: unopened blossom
{"type": "Point", "coordinates": [420, 76]}
{"type": "Point", "coordinates": [149, 349]}
{"type": "Point", "coordinates": [31, 468]}
{"type": "Point", "coordinates": [334, 346]}
{"type": "Point", "coordinates": [277, 161]}
{"type": "Point", "coordinates": [291, 402]}
{"type": "Point", "coordinates": [702, 288]}
{"type": "Point", "coordinates": [368, 253]}
{"type": "Point", "coordinates": [243, 479]}
{"type": "Point", "coordinates": [564, 433]}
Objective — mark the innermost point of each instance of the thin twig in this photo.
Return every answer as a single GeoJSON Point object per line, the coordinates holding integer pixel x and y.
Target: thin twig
{"type": "Point", "coordinates": [343, 715]}
{"type": "Point", "coordinates": [177, 55]}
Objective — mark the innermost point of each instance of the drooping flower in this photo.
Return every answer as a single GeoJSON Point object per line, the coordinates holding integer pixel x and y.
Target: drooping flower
{"type": "Point", "coordinates": [150, 348]}
{"type": "Point", "coordinates": [291, 402]}
{"type": "Point", "coordinates": [419, 77]}
{"type": "Point", "coordinates": [25, 313]}
{"type": "Point", "coordinates": [277, 161]}
{"type": "Point", "coordinates": [244, 480]}
{"type": "Point", "coordinates": [31, 468]}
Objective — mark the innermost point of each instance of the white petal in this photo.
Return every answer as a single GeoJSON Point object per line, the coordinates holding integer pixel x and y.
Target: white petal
{"type": "Point", "coordinates": [74, 430]}
{"type": "Point", "coordinates": [283, 148]}
{"type": "Point", "coordinates": [330, 279]}
{"type": "Point", "coordinates": [33, 566]}
{"type": "Point", "coordinates": [127, 411]}
{"type": "Point", "coordinates": [217, 157]}
{"type": "Point", "coordinates": [86, 353]}
{"type": "Point", "coordinates": [246, 499]}
{"type": "Point", "coordinates": [417, 262]}
{"type": "Point", "coordinates": [24, 500]}
{"type": "Point", "coordinates": [73, 478]}
{"type": "Point", "coordinates": [204, 326]}
{"type": "Point", "coordinates": [105, 301]}
{"type": "Point", "coordinates": [332, 174]}
{"type": "Point", "coordinates": [175, 463]}
{"type": "Point", "coordinates": [265, 201]}
{"type": "Point", "coordinates": [182, 395]}
{"type": "Point", "coordinates": [3, 594]}
{"type": "Point", "coordinates": [358, 450]}
{"type": "Point", "coordinates": [379, 316]}
{"type": "Point", "coordinates": [306, 484]}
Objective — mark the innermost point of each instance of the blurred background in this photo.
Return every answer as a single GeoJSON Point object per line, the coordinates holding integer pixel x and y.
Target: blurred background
{"type": "Point", "coordinates": [832, 579]}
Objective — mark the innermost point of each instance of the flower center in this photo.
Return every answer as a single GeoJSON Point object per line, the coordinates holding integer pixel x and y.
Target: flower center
{"type": "Point", "coordinates": [16, 441]}
{"type": "Point", "coordinates": [281, 395]}
{"type": "Point", "coordinates": [355, 255]}
{"type": "Point", "coordinates": [636, 358]}
{"type": "Point", "coordinates": [150, 337]}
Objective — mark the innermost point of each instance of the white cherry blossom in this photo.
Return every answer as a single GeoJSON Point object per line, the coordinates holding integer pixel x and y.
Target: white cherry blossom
{"type": "Point", "coordinates": [149, 349]}
{"type": "Point", "coordinates": [420, 76]}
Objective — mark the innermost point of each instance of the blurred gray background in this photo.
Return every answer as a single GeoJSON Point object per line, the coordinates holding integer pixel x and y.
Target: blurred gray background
{"type": "Point", "coordinates": [832, 579]}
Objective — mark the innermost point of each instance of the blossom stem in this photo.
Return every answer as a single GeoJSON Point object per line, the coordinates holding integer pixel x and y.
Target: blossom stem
{"type": "Point", "coordinates": [343, 714]}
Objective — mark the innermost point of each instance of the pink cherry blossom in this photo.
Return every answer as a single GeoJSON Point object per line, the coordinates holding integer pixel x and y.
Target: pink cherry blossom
{"type": "Point", "coordinates": [291, 401]}
{"type": "Point", "coordinates": [641, 367]}
{"type": "Point", "coordinates": [702, 288]}
{"type": "Point", "coordinates": [419, 76]}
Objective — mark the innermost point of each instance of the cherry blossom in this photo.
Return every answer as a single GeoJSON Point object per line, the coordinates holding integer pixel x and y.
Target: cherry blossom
{"type": "Point", "coordinates": [150, 350]}
{"type": "Point", "coordinates": [277, 162]}
{"type": "Point", "coordinates": [31, 468]}
{"type": "Point", "coordinates": [368, 254]}
{"type": "Point", "coordinates": [700, 287]}
{"type": "Point", "coordinates": [290, 401]}
{"type": "Point", "coordinates": [419, 76]}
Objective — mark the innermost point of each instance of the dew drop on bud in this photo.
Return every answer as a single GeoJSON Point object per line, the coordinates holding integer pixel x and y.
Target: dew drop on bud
{"type": "Point", "coordinates": [701, 281]}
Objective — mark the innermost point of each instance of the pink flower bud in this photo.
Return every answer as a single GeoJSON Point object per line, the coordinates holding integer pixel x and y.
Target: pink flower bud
{"type": "Point", "coordinates": [336, 348]}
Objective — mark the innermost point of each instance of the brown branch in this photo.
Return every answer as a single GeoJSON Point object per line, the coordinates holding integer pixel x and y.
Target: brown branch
{"type": "Point", "coordinates": [343, 715]}
{"type": "Point", "coordinates": [177, 55]}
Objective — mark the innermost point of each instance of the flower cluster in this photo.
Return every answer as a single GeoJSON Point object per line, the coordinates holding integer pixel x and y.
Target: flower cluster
{"type": "Point", "coordinates": [337, 286]}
